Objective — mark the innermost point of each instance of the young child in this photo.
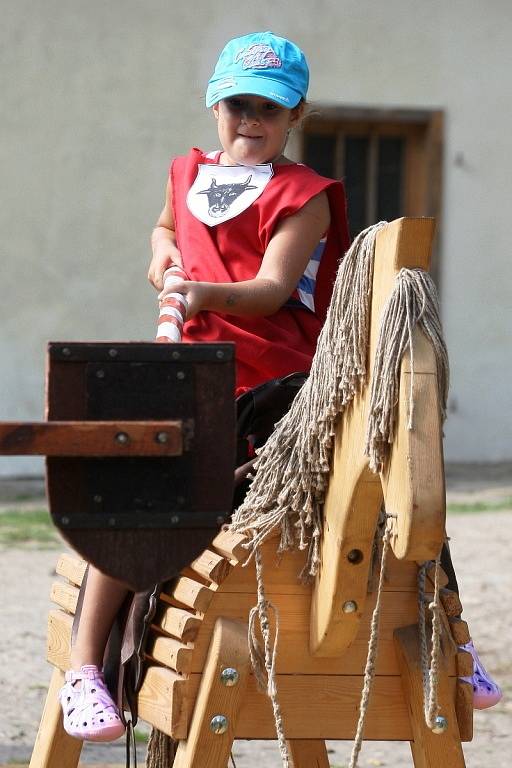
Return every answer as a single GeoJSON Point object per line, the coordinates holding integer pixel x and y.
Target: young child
{"type": "Point", "coordinates": [260, 238]}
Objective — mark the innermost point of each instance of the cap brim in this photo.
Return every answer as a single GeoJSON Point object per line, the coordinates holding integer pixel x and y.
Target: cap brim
{"type": "Point", "coordinates": [253, 86]}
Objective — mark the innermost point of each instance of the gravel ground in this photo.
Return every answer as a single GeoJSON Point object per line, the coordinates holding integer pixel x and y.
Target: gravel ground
{"type": "Point", "coordinates": [481, 553]}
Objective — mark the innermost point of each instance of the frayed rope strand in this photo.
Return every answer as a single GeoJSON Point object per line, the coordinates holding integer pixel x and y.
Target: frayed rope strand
{"type": "Point", "coordinates": [413, 303]}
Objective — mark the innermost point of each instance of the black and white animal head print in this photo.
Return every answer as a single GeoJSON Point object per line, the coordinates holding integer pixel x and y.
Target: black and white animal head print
{"type": "Point", "coordinates": [221, 192]}
{"type": "Point", "coordinates": [222, 196]}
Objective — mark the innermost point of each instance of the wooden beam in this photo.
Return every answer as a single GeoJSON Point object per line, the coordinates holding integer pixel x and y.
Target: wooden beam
{"type": "Point", "coordinates": [53, 747]}
{"type": "Point", "coordinates": [203, 747]}
{"type": "Point", "coordinates": [91, 438]}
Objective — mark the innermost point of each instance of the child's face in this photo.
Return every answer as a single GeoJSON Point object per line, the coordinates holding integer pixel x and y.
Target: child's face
{"type": "Point", "coordinates": [252, 129]}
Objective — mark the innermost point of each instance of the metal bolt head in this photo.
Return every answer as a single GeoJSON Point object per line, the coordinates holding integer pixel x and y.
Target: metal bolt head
{"type": "Point", "coordinates": [122, 438]}
{"type": "Point", "coordinates": [180, 375]}
{"type": "Point", "coordinates": [350, 606]}
{"type": "Point", "coordinates": [440, 725]}
{"type": "Point", "coordinates": [229, 677]}
{"type": "Point", "coordinates": [175, 519]}
{"type": "Point", "coordinates": [219, 724]}
{"type": "Point", "coordinates": [97, 498]}
{"type": "Point", "coordinates": [66, 351]}
{"type": "Point", "coordinates": [64, 520]}
{"type": "Point", "coordinates": [175, 355]}
{"type": "Point", "coordinates": [112, 352]}
{"type": "Point", "coordinates": [220, 354]}
{"type": "Point", "coordinates": [100, 374]}
{"type": "Point", "coordinates": [162, 437]}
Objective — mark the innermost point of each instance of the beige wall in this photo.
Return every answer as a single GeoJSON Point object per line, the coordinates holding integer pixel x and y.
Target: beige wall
{"type": "Point", "coordinates": [97, 96]}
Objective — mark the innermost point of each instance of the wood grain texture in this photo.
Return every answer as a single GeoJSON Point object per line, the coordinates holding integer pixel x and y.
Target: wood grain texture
{"type": "Point", "coordinates": [91, 438]}
{"type": "Point", "coordinates": [53, 747]}
{"type": "Point", "coordinates": [429, 750]}
{"type": "Point", "coordinates": [203, 748]}
{"type": "Point", "coordinates": [308, 753]}
{"type": "Point", "coordinates": [71, 567]}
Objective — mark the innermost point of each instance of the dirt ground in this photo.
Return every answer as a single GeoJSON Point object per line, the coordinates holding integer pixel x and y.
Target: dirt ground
{"type": "Point", "coordinates": [479, 527]}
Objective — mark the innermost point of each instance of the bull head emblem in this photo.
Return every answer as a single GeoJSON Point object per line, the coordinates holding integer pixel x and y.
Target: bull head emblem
{"type": "Point", "coordinates": [221, 196]}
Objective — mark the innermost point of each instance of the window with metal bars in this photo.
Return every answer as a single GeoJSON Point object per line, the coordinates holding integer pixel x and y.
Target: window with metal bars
{"type": "Point", "coordinates": [389, 160]}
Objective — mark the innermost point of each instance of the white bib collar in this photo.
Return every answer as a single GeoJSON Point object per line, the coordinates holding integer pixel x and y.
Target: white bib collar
{"type": "Point", "coordinates": [221, 192]}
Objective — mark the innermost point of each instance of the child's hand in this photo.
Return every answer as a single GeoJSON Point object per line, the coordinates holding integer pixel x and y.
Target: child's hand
{"type": "Point", "coordinates": [195, 293]}
{"type": "Point", "coordinates": [159, 263]}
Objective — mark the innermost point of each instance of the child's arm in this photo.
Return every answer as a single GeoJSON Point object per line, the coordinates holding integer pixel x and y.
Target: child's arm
{"type": "Point", "coordinates": [163, 243]}
{"type": "Point", "coordinates": [283, 264]}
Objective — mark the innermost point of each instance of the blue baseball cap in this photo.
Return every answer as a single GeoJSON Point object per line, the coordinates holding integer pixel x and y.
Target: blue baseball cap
{"type": "Point", "coordinates": [260, 64]}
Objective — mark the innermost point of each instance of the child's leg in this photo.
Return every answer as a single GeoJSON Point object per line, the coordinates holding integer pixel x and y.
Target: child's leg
{"type": "Point", "coordinates": [103, 596]}
{"type": "Point", "coordinates": [89, 711]}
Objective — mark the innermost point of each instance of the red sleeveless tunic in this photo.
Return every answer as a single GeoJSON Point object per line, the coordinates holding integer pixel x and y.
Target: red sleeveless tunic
{"type": "Point", "coordinates": [232, 251]}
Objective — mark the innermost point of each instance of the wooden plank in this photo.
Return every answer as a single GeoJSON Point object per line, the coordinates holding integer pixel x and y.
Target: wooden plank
{"type": "Point", "coordinates": [459, 630]}
{"type": "Point", "coordinates": [188, 592]}
{"type": "Point", "coordinates": [209, 566]}
{"type": "Point", "coordinates": [64, 595]}
{"type": "Point", "coordinates": [230, 545]}
{"type": "Point", "coordinates": [163, 701]}
{"type": "Point", "coordinates": [282, 573]}
{"type": "Point", "coordinates": [91, 438]}
{"type": "Point", "coordinates": [171, 653]}
{"type": "Point", "coordinates": [71, 567]}
{"type": "Point", "coordinates": [464, 661]}
{"type": "Point", "coordinates": [204, 748]}
{"type": "Point", "coordinates": [59, 639]}
{"type": "Point", "coordinates": [324, 707]}
{"type": "Point", "coordinates": [177, 622]}
{"type": "Point", "coordinates": [451, 603]}
{"type": "Point", "coordinates": [430, 750]}
{"type": "Point", "coordinates": [464, 709]}
{"type": "Point", "coordinates": [53, 747]}
{"type": "Point", "coordinates": [308, 753]}
{"type": "Point", "coordinates": [398, 609]}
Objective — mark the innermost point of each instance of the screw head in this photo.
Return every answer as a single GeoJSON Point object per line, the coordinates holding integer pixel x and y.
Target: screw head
{"type": "Point", "coordinates": [162, 437]}
{"type": "Point", "coordinates": [350, 606]}
{"type": "Point", "coordinates": [66, 351]}
{"type": "Point", "coordinates": [175, 355]}
{"type": "Point", "coordinates": [220, 354]}
{"type": "Point", "coordinates": [97, 498]}
{"type": "Point", "coordinates": [64, 520]}
{"type": "Point", "coordinates": [122, 438]}
{"type": "Point", "coordinates": [219, 724]}
{"type": "Point", "coordinates": [440, 725]}
{"type": "Point", "coordinates": [112, 352]}
{"type": "Point", "coordinates": [175, 519]}
{"type": "Point", "coordinates": [180, 375]}
{"type": "Point", "coordinates": [229, 677]}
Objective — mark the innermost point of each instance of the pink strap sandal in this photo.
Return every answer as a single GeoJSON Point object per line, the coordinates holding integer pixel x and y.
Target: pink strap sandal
{"type": "Point", "coordinates": [89, 712]}
{"type": "Point", "coordinates": [486, 693]}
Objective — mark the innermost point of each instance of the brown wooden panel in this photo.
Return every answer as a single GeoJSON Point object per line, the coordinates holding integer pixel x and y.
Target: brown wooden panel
{"type": "Point", "coordinates": [92, 438]}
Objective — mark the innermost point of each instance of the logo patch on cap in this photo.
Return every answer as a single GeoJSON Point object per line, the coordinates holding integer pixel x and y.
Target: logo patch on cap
{"type": "Point", "coordinates": [258, 56]}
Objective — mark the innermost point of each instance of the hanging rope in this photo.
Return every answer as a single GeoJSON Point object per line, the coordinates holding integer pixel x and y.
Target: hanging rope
{"type": "Point", "coordinates": [264, 660]}
{"type": "Point", "coordinates": [369, 672]}
{"type": "Point", "coordinates": [430, 672]}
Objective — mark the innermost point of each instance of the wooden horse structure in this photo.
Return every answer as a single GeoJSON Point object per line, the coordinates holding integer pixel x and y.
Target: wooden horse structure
{"type": "Point", "coordinates": [198, 686]}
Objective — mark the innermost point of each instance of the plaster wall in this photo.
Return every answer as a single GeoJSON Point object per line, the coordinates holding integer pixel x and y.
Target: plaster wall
{"type": "Point", "coordinates": [97, 97]}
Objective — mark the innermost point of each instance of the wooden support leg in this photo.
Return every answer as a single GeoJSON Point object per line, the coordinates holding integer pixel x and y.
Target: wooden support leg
{"type": "Point", "coordinates": [204, 748]}
{"type": "Point", "coordinates": [308, 753]}
{"type": "Point", "coordinates": [429, 750]}
{"type": "Point", "coordinates": [54, 748]}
